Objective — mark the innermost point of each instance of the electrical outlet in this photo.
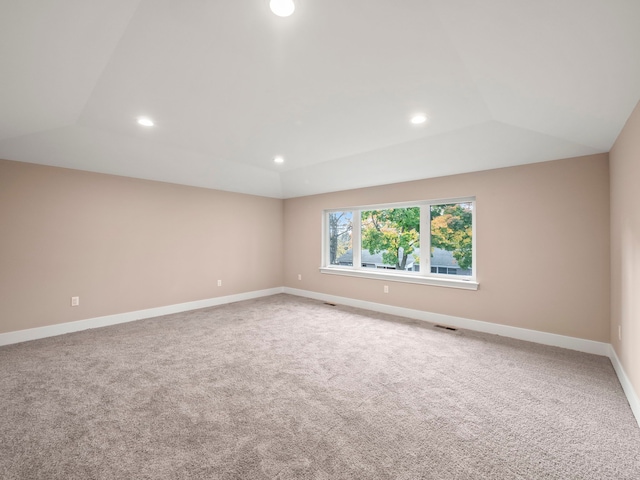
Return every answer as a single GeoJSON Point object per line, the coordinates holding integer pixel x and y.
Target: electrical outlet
{"type": "Point", "coordinates": [386, 289]}
{"type": "Point", "coordinates": [219, 283]}
{"type": "Point", "coordinates": [299, 276]}
{"type": "Point", "coordinates": [75, 301]}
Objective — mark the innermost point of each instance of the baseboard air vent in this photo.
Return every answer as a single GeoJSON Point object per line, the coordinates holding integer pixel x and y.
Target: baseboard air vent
{"type": "Point", "coordinates": [447, 328]}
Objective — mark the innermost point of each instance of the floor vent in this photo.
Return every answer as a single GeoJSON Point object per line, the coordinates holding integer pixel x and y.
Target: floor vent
{"type": "Point", "coordinates": [331, 304]}
{"type": "Point", "coordinates": [447, 328]}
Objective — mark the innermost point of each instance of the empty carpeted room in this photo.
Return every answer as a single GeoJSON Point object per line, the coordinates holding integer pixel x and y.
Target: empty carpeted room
{"type": "Point", "coordinates": [319, 239]}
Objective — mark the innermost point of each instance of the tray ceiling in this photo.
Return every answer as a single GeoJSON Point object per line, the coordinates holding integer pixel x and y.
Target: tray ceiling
{"type": "Point", "coordinates": [331, 88]}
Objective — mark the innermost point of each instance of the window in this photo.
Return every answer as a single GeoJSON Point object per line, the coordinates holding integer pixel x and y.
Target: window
{"type": "Point", "coordinates": [430, 242]}
{"type": "Point", "coordinates": [340, 241]}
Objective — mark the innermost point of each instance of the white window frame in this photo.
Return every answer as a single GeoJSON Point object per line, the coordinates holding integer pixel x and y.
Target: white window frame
{"type": "Point", "coordinates": [424, 276]}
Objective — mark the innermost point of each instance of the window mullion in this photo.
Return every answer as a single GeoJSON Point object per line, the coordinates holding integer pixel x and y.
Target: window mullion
{"type": "Point", "coordinates": [356, 244]}
{"type": "Point", "coordinates": [425, 239]}
{"type": "Point", "coordinates": [326, 231]}
{"type": "Point", "coordinates": [473, 242]}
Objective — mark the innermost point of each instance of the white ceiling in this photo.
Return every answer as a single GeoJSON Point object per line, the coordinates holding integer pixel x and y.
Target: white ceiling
{"type": "Point", "coordinates": [331, 88]}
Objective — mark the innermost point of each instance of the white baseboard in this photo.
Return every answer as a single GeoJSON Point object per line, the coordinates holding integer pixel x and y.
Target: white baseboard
{"type": "Point", "coordinates": [632, 396]}
{"type": "Point", "coordinates": [579, 344]}
{"type": "Point", "coordinates": [582, 345]}
{"type": "Point", "coordinates": [62, 328]}
{"type": "Point", "coordinates": [572, 343]}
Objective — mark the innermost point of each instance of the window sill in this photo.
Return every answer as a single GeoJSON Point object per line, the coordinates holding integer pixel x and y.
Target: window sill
{"type": "Point", "coordinates": [405, 278]}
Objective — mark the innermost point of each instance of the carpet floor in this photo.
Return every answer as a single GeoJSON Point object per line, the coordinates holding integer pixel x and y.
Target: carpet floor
{"type": "Point", "coordinates": [290, 388]}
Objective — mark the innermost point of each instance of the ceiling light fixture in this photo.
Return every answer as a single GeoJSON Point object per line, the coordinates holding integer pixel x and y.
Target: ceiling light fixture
{"type": "Point", "coordinates": [145, 121]}
{"type": "Point", "coordinates": [418, 118]}
{"type": "Point", "coordinates": [282, 8]}
{"type": "Point", "coordinates": [278, 160]}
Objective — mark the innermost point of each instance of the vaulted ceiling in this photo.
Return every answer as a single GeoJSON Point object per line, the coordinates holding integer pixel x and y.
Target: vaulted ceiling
{"type": "Point", "coordinates": [331, 88]}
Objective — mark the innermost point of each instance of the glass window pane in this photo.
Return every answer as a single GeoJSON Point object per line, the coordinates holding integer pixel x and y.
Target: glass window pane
{"type": "Point", "coordinates": [452, 238]}
{"type": "Point", "coordinates": [391, 238]}
{"type": "Point", "coordinates": [340, 246]}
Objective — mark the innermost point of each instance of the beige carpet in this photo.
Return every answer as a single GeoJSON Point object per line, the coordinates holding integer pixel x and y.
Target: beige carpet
{"type": "Point", "coordinates": [290, 388]}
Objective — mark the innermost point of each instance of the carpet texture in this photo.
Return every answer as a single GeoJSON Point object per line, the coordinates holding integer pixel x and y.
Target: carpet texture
{"type": "Point", "coordinates": [290, 388]}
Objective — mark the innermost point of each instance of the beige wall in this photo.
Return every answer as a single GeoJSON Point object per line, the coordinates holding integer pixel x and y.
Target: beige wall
{"type": "Point", "coordinates": [542, 247]}
{"type": "Point", "coordinates": [625, 247]}
{"type": "Point", "coordinates": [122, 244]}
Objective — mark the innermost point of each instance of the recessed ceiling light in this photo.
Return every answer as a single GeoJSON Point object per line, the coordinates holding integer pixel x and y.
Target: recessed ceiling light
{"type": "Point", "coordinates": [278, 159]}
{"type": "Point", "coordinates": [282, 8]}
{"type": "Point", "coordinates": [418, 118]}
{"type": "Point", "coordinates": [145, 121]}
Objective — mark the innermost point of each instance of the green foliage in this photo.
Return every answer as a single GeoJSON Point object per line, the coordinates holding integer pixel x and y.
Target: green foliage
{"type": "Point", "coordinates": [451, 229]}
{"type": "Point", "coordinates": [395, 232]}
